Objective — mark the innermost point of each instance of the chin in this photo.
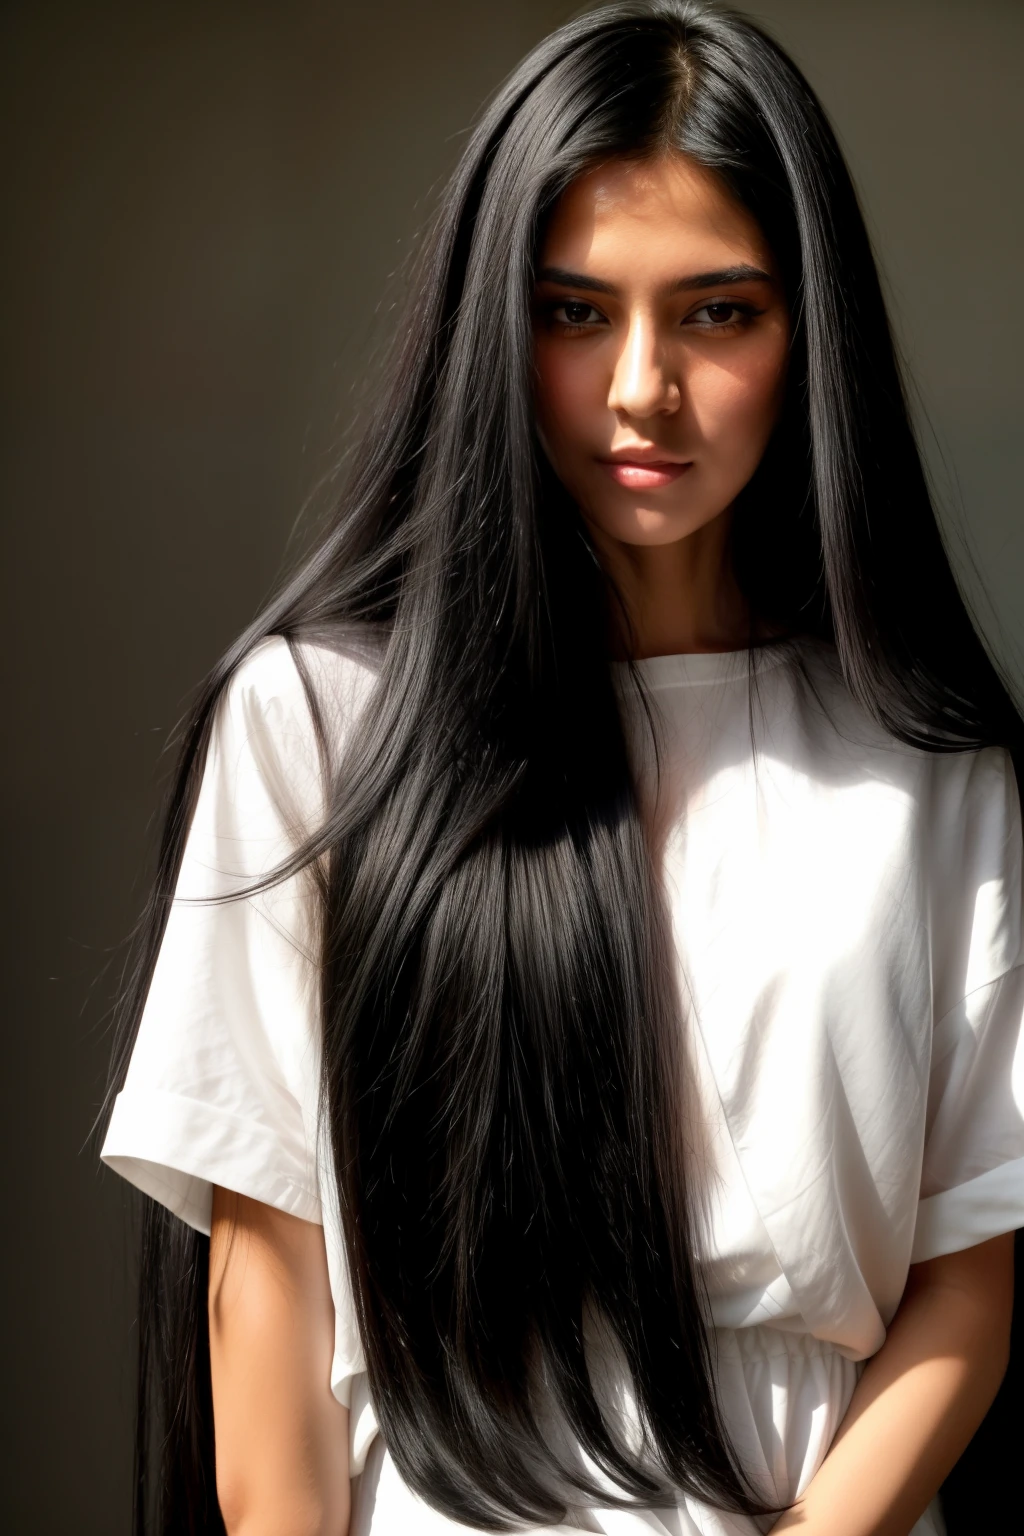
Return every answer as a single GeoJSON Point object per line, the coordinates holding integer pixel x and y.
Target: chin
{"type": "Point", "coordinates": [647, 525]}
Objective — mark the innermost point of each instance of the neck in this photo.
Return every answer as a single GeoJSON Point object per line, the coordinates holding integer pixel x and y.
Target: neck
{"type": "Point", "coordinates": [680, 597]}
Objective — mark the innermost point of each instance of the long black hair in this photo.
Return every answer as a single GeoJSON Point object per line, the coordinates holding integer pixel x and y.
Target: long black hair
{"type": "Point", "coordinates": [500, 1073]}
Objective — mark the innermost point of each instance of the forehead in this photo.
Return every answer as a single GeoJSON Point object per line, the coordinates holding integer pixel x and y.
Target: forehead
{"type": "Point", "coordinates": [663, 211]}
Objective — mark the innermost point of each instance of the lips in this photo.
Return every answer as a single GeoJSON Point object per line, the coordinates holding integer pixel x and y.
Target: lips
{"type": "Point", "coordinates": [644, 474]}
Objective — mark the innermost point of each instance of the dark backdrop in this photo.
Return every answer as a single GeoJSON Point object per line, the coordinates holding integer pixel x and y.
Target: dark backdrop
{"type": "Point", "coordinates": [204, 205]}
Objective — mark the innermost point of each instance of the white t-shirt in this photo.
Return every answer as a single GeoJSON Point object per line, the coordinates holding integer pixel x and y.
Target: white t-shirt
{"type": "Point", "coordinates": [847, 914]}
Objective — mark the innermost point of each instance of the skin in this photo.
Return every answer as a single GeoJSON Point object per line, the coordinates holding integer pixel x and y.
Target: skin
{"type": "Point", "coordinates": [635, 364]}
{"type": "Point", "coordinates": [281, 1436]}
{"type": "Point", "coordinates": [919, 1400]}
{"type": "Point", "coordinates": [661, 333]}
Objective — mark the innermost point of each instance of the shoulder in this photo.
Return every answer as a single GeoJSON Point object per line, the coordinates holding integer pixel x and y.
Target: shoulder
{"type": "Point", "coordinates": [950, 784]}
{"type": "Point", "coordinates": [974, 821]}
{"type": "Point", "coordinates": [959, 809]}
{"type": "Point", "coordinates": [948, 823]}
{"type": "Point", "coordinates": [975, 858]}
{"type": "Point", "coordinates": [285, 713]}
{"type": "Point", "coordinates": [276, 677]}
{"type": "Point", "coordinates": [280, 687]}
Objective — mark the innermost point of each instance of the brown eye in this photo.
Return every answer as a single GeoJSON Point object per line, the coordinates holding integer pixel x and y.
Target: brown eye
{"type": "Point", "coordinates": [721, 313]}
{"type": "Point", "coordinates": [575, 312]}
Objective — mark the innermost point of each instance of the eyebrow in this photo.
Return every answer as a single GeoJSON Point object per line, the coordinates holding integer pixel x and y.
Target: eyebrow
{"type": "Point", "coordinates": [721, 277]}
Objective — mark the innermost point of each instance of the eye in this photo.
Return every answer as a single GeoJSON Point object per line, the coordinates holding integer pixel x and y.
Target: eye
{"type": "Point", "coordinates": [576, 313]}
{"type": "Point", "coordinates": [723, 313]}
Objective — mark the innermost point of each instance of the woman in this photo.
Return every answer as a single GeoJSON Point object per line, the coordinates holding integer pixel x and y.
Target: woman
{"type": "Point", "coordinates": [586, 1025]}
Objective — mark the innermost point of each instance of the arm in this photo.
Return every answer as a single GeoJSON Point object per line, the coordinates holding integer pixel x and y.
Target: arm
{"type": "Point", "coordinates": [281, 1435]}
{"type": "Point", "coordinates": [919, 1400]}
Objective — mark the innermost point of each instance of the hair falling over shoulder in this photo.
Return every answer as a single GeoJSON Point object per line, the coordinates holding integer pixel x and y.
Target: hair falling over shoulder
{"type": "Point", "coordinates": [498, 1013]}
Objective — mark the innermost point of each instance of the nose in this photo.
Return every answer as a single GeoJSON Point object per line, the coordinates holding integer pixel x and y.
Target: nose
{"type": "Point", "coordinates": [644, 382]}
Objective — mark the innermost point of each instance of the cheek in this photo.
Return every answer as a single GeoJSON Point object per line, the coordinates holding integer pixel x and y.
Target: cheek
{"type": "Point", "coordinates": [735, 405]}
{"type": "Point", "coordinates": [570, 394]}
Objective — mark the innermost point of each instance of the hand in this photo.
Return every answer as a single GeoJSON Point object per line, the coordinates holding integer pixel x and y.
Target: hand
{"type": "Point", "coordinates": [919, 1400]}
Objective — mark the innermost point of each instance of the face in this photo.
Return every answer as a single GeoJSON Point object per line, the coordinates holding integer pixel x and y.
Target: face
{"type": "Point", "coordinates": [661, 339]}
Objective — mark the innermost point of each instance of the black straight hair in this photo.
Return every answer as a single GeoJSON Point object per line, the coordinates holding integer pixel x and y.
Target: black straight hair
{"type": "Point", "coordinates": [499, 1062]}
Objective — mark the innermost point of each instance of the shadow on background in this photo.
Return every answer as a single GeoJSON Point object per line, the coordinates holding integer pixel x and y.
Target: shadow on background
{"type": "Point", "coordinates": [205, 206]}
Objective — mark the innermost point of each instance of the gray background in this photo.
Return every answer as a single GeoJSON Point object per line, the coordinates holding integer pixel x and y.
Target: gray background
{"type": "Point", "coordinates": [204, 205]}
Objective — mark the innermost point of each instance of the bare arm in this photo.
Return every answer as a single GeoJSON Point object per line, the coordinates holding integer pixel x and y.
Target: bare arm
{"type": "Point", "coordinates": [281, 1435]}
{"type": "Point", "coordinates": [919, 1400]}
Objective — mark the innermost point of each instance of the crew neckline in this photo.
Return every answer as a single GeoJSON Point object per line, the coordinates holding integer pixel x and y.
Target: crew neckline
{"type": "Point", "coordinates": [686, 667]}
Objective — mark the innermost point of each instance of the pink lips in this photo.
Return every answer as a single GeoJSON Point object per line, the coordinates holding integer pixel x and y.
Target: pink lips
{"type": "Point", "coordinates": [637, 476]}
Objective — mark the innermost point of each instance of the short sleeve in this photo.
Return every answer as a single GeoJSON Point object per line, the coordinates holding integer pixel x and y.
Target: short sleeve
{"type": "Point", "coordinates": [222, 1086]}
{"type": "Point", "coordinates": [972, 1185]}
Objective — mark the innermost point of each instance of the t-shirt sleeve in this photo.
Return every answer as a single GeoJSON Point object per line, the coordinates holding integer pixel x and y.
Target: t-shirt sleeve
{"type": "Point", "coordinates": [972, 1185]}
{"type": "Point", "coordinates": [222, 1086]}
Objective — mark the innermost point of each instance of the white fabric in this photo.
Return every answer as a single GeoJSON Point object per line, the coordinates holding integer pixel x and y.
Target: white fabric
{"type": "Point", "coordinates": [848, 922]}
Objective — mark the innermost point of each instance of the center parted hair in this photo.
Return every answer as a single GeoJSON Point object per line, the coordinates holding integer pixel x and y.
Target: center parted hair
{"type": "Point", "coordinates": [500, 1025]}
